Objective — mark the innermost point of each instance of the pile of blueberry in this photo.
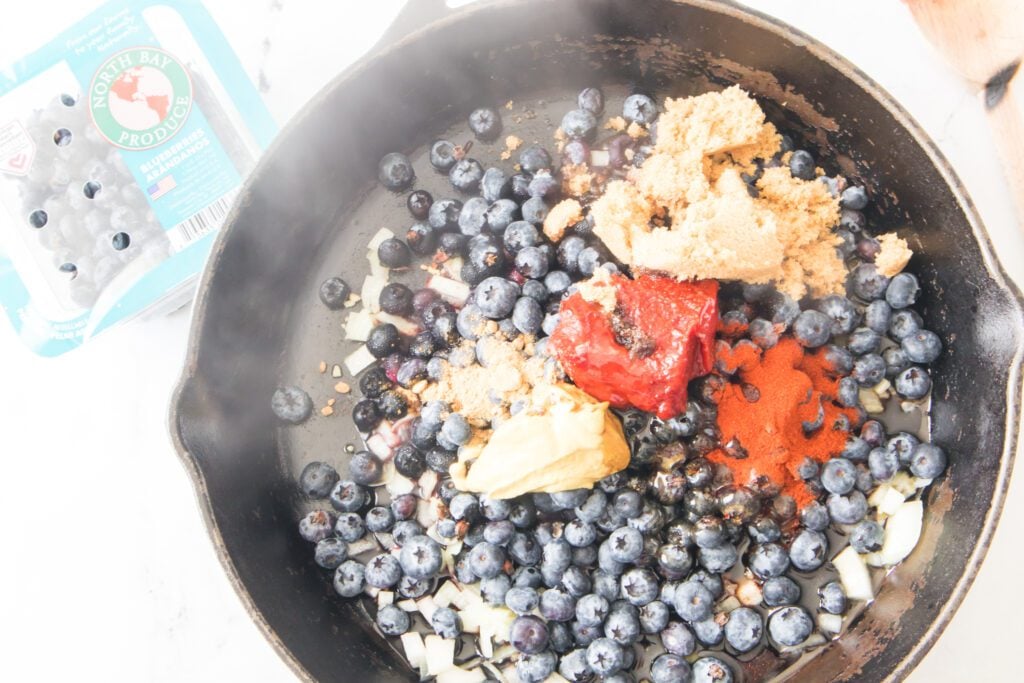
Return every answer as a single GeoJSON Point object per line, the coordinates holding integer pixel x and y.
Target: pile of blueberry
{"type": "Point", "coordinates": [85, 217]}
{"type": "Point", "coordinates": [667, 570]}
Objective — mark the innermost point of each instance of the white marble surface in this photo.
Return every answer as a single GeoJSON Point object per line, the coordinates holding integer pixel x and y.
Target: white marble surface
{"type": "Point", "coordinates": [108, 574]}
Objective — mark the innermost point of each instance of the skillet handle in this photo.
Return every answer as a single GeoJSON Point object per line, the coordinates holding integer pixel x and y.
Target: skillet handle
{"type": "Point", "coordinates": [413, 16]}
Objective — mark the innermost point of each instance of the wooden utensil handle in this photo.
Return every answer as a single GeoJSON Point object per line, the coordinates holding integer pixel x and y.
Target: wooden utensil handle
{"type": "Point", "coordinates": [1007, 121]}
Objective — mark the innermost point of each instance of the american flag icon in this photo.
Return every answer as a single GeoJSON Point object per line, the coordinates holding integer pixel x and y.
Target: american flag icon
{"type": "Point", "coordinates": [162, 187]}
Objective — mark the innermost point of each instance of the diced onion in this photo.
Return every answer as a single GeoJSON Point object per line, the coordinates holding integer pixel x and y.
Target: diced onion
{"type": "Point", "coordinates": [359, 360]}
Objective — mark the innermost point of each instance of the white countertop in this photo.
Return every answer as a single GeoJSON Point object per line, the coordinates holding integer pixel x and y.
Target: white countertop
{"type": "Point", "coordinates": [108, 573]}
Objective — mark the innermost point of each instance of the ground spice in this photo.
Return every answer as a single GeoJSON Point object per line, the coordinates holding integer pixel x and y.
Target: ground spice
{"type": "Point", "coordinates": [763, 412]}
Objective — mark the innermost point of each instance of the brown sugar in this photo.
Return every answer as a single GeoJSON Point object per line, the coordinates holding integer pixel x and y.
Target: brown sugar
{"type": "Point", "coordinates": [565, 213]}
{"type": "Point", "coordinates": [577, 180]}
{"type": "Point", "coordinates": [688, 212]}
{"type": "Point", "coordinates": [893, 256]}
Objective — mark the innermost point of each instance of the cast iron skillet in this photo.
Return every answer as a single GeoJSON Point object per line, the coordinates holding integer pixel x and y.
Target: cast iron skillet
{"type": "Point", "coordinates": [312, 204]}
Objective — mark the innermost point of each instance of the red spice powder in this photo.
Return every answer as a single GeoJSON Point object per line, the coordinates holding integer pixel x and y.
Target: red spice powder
{"type": "Point", "coordinates": [787, 387]}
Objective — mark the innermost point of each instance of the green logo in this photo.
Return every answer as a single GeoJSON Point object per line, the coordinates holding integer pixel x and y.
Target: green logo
{"type": "Point", "coordinates": [140, 98]}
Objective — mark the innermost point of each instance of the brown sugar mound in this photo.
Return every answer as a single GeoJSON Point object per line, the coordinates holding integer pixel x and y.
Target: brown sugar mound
{"type": "Point", "coordinates": [706, 224]}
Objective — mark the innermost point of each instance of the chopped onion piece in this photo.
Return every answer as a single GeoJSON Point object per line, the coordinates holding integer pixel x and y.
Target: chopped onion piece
{"type": "Point", "coordinates": [439, 655]}
{"type": "Point", "coordinates": [599, 158]}
{"type": "Point", "coordinates": [363, 545]}
{"type": "Point", "coordinates": [830, 623]}
{"type": "Point", "coordinates": [373, 285]}
{"type": "Point", "coordinates": [904, 483]}
{"type": "Point", "coordinates": [358, 325]}
{"type": "Point", "coordinates": [359, 360]}
{"type": "Point", "coordinates": [428, 483]}
{"type": "Point", "coordinates": [426, 606]}
{"type": "Point", "coordinates": [378, 237]}
{"type": "Point", "coordinates": [415, 653]}
{"type": "Point", "coordinates": [446, 594]}
{"type": "Point", "coordinates": [379, 447]}
{"type": "Point", "coordinates": [453, 268]}
{"type": "Point", "coordinates": [459, 675]}
{"type": "Point", "coordinates": [385, 598]}
{"type": "Point", "coordinates": [405, 326]}
{"type": "Point", "coordinates": [854, 575]}
{"type": "Point", "coordinates": [400, 485]}
{"type": "Point", "coordinates": [902, 532]}
{"type": "Point", "coordinates": [729, 604]}
{"type": "Point", "coordinates": [453, 291]}
{"type": "Point", "coordinates": [407, 605]}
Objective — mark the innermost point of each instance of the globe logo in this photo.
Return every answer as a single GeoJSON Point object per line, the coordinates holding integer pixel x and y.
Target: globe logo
{"type": "Point", "coordinates": [140, 98]}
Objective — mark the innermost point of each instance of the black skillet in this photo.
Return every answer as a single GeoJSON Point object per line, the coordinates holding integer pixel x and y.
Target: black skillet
{"type": "Point", "coordinates": [312, 204]}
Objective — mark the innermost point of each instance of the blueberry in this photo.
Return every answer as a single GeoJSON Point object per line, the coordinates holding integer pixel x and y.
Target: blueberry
{"type": "Point", "coordinates": [316, 526]}
{"type": "Point", "coordinates": [913, 383]}
{"type": "Point", "coordinates": [557, 282]}
{"type": "Point", "coordinates": [317, 479]}
{"type": "Point", "coordinates": [674, 560]}
{"type": "Point", "coordinates": [439, 460]}
{"type": "Point", "coordinates": [842, 313]}
{"type": "Point", "coordinates": [531, 262]}
{"type": "Point", "coordinates": [711, 670]}
{"type": "Point", "coordinates": [536, 667]}
{"type": "Point", "coordinates": [744, 628]}
{"type": "Point", "coordinates": [801, 165]}
{"type": "Point", "coordinates": [486, 560]}
{"type": "Point", "coordinates": [528, 634]}
{"type": "Point", "coordinates": [418, 203]}
{"type": "Point", "coordinates": [869, 370]}
{"type": "Point", "coordinates": [465, 175]}
{"type": "Point", "coordinates": [625, 544]}
{"type": "Point", "coordinates": [763, 333]}
{"type": "Point", "coordinates": [522, 599]}
{"type": "Point", "coordinates": [444, 214]}
{"type": "Point", "coordinates": [394, 253]}
{"type": "Point", "coordinates": [693, 601]}
{"type": "Point", "coordinates": [395, 172]}
{"type": "Point", "coordinates": [393, 405]}
{"type": "Point", "coordinates": [464, 505]}
{"type": "Point", "coordinates": [545, 186]}
{"type": "Point", "coordinates": [623, 623]}
{"type": "Point", "coordinates": [403, 506]}
{"type": "Point", "coordinates": [392, 620]}
{"type": "Point", "coordinates": [411, 371]}
{"type": "Point", "coordinates": [867, 283]}
{"type": "Point", "coordinates": [534, 158]}
{"type": "Point", "coordinates": [523, 514]}
{"type": "Point", "coordinates": [446, 622]}
{"type": "Point", "coordinates": [411, 588]}
{"type": "Point", "coordinates": [534, 210]}
{"type": "Point", "coordinates": [767, 560]}
{"type": "Point", "coordinates": [442, 155]}
{"type": "Point", "coordinates": [499, 532]}
{"type": "Point", "coordinates": [852, 220]}
{"type": "Point", "coordinates": [882, 464]}
{"type": "Point", "coordinates": [709, 632]}
{"type": "Point", "coordinates": [527, 315]}
{"type": "Point", "coordinates": [902, 291]}
{"type": "Point", "coordinates": [780, 590]}
{"type": "Point", "coordinates": [350, 527]}
{"type": "Point", "coordinates": [473, 217]}
{"type": "Point", "coordinates": [291, 404]}
{"type": "Point", "coordinates": [639, 586]}
{"type": "Point", "coordinates": [654, 617]}
{"type": "Point", "coordinates": [812, 328]}
{"type": "Point", "coordinates": [873, 432]}
{"type": "Point", "coordinates": [406, 530]}
{"type": "Point", "coordinates": [847, 509]}
{"type": "Point", "coordinates": [520, 234]}
{"type": "Point", "coordinates": [456, 429]}
{"type": "Point", "coordinates": [396, 299]}
{"type": "Point", "coordinates": [927, 461]}
{"type": "Point", "coordinates": [604, 656]}
{"type": "Point", "coordinates": [349, 579]}
{"type": "Point", "coordinates": [495, 185]}
{"type": "Point", "coordinates": [579, 123]}
{"type": "Point", "coordinates": [904, 323]}
{"type": "Point", "coordinates": [379, 519]}
{"type": "Point", "coordinates": [573, 667]}
{"type": "Point", "coordinates": [462, 571]}
{"type": "Point", "coordinates": [383, 571]}
{"type": "Point", "coordinates": [330, 552]}
{"type": "Point", "coordinates": [854, 197]}
{"type": "Point", "coordinates": [678, 639]}
{"type": "Point", "coordinates": [790, 626]}
{"type": "Point", "coordinates": [585, 557]}
{"type": "Point", "coordinates": [496, 297]}
{"type": "Point", "coordinates": [639, 108]}
{"type": "Point", "coordinates": [832, 598]}
{"type": "Point", "coordinates": [867, 536]}
{"type": "Point", "coordinates": [348, 496]}
{"type": "Point", "coordinates": [708, 531]}
{"type": "Point", "coordinates": [494, 589]}
{"type": "Point", "coordinates": [485, 123]}
{"type": "Point", "coordinates": [808, 550]}
{"type": "Point", "coordinates": [921, 346]}
{"type": "Point", "coordinates": [718, 559]}
{"type": "Point", "coordinates": [838, 475]}
{"type": "Point", "coordinates": [896, 361]}
{"type": "Point", "coordinates": [334, 293]}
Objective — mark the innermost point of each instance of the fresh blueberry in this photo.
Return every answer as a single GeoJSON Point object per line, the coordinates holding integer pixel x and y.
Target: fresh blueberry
{"type": "Point", "coordinates": [485, 123]}
{"type": "Point", "coordinates": [495, 185]}
{"type": "Point", "coordinates": [674, 560]}
{"type": "Point", "coordinates": [801, 165]}
{"type": "Point", "coordinates": [444, 214]}
{"type": "Point", "coordinates": [579, 123]}
{"type": "Point", "coordinates": [877, 316]}
{"type": "Point", "coordinates": [330, 552]}
{"type": "Point", "coordinates": [711, 670]}
{"type": "Point", "coordinates": [922, 346]}
{"type": "Point", "coordinates": [847, 509]}
{"type": "Point", "coordinates": [854, 197]}
{"type": "Point", "coordinates": [528, 634]}
{"type": "Point", "coordinates": [867, 536]}
{"type": "Point", "coordinates": [420, 557]}
{"type": "Point", "coordinates": [522, 599]}
{"type": "Point", "coordinates": [904, 323]}
{"type": "Point", "coordinates": [838, 475]}
{"type": "Point", "coordinates": [640, 109]}
{"type": "Point", "coordinates": [418, 203]}
{"type": "Point", "coordinates": [531, 262]}
{"type": "Point", "coordinates": [549, 324]}
{"type": "Point", "coordinates": [465, 175]}
{"type": "Point", "coordinates": [473, 217]}
{"type": "Point", "coordinates": [678, 639]}
{"type": "Point", "coordinates": [744, 628]}
{"type": "Point", "coordinates": [486, 560]}
{"type": "Point", "coordinates": [395, 172]}
{"type": "Point", "coordinates": [902, 291]}
{"type": "Point", "coordinates": [896, 361]}
{"type": "Point", "coordinates": [392, 620]}
{"type": "Point", "coordinates": [379, 519]}
{"type": "Point", "coordinates": [557, 282]}
{"type": "Point", "coordinates": [693, 601]}
{"type": "Point", "coordinates": [780, 590]}
{"type": "Point", "coordinates": [928, 461]}
{"type": "Point", "coordinates": [867, 283]}
{"type": "Point", "coordinates": [790, 626]}
{"type": "Point", "coordinates": [809, 548]}
{"type": "Point", "coordinates": [349, 579]}
{"type": "Point", "coordinates": [544, 185]}
{"type": "Point", "coordinates": [316, 526]}
{"type": "Point", "coordinates": [394, 253]}
{"type": "Point", "coordinates": [842, 313]}
{"type": "Point", "coordinates": [421, 238]}
{"type": "Point", "coordinates": [710, 632]}
{"type": "Point", "coordinates": [767, 560]}
{"type": "Point", "coordinates": [494, 589]}
{"type": "Point", "coordinates": [442, 155]}
{"type": "Point", "coordinates": [334, 293]}
{"type": "Point", "coordinates": [869, 370]}
{"type": "Point", "coordinates": [535, 210]}
{"type": "Point", "coordinates": [913, 383]}
{"type": "Point", "coordinates": [522, 513]}
{"type": "Point", "coordinates": [446, 622]}
{"type": "Point", "coordinates": [350, 527]}
{"type": "Point", "coordinates": [883, 464]}
{"type": "Point", "coordinates": [537, 667]}
{"type": "Point", "coordinates": [709, 531]}
{"type": "Point", "coordinates": [499, 532]}
{"type": "Point", "coordinates": [654, 617]}
{"type": "Point", "coordinates": [365, 468]}
{"type": "Point", "coordinates": [534, 158]}
{"type": "Point", "coordinates": [463, 572]}
{"type": "Point", "coordinates": [383, 571]}
{"type": "Point", "coordinates": [627, 503]}
{"type": "Point", "coordinates": [605, 584]}
{"type": "Point", "coordinates": [573, 667]}
{"type": "Point", "coordinates": [832, 598]}
{"type": "Point", "coordinates": [527, 315]}
{"type": "Point", "coordinates": [864, 340]}
{"type": "Point", "coordinates": [496, 297]}
{"type": "Point", "coordinates": [623, 623]}
{"type": "Point", "coordinates": [625, 544]}
{"type": "Point", "coordinates": [604, 656]}
{"type": "Point", "coordinates": [291, 404]}
{"type": "Point", "coordinates": [406, 530]}
{"type": "Point", "coordinates": [718, 559]}
{"type": "Point", "coordinates": [317, 480]}
{"type": "Point", "coordinates": [348, 496]}
{"type": "Point", "coordinates": [639, 586]}
{"type": "Point", "coordinates": [812, 328]}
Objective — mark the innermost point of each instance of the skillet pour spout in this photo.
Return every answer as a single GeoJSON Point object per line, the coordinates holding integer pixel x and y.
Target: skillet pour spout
{"type": "Point", "coordinates": [313, 203]}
